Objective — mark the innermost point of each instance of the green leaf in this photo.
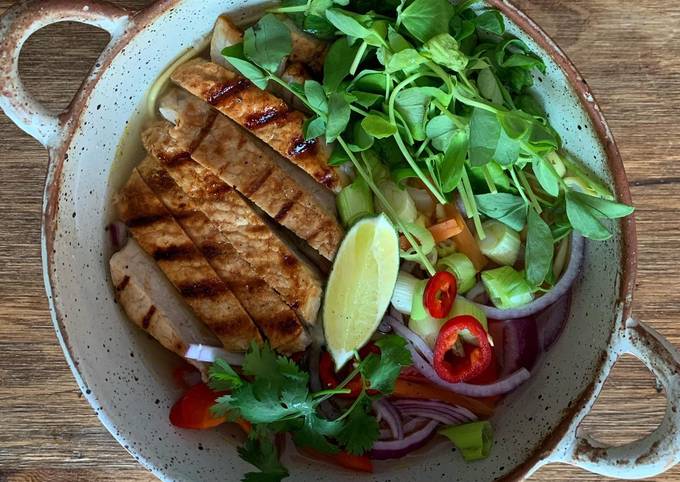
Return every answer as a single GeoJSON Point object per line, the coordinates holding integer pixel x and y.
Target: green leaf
{"type": "Point", "coordinates": [485, 132]}
{"type": "Point", "coordinates": [426, 18]}
{"type": "Point", "coordinates": [443, 49]}
{"type": "Point", "coordinates": [367, 99]}
{"type": "Point", "coordinates": [371, 81]}
{"type": "Point", "coordinates": [267, 43]}
{"type": "Point", "coordinates": [412, 104]}
{"type": "Point", "coordinates": [235, 50]}
{"type": "Point", "coordinates": [360, 430]}
{"type": "Point", "coordinates": [489, 88]}
{"type": "Point", "coordinates": [451, 169]}
{"type": "Point", "coordinates": [547, 177]}
{"type": "Point", "coordinates": [404, 60]}
{"type": "Point", "coordinates": [509, 209]}
{"type": "Point", "coordinates": [314, 128]}
{"type": "Point", "coordinates": [539, 249]}
{"type": "Point", "coordinates": [583, 220]}
{"type": "Point", "coordinates": [339, 113]}
{"type": "Point", "coordinates": [377, 126]}
{"type": "Point", "coordinates": [316, 96]}
{"type": "Point", "coordinates": [250, 71]}
{"type": "Point", "coordinates": [223, 377]}
{"type": "Point", "coordinates": [491, 21]}
{"type": "Point", "coordinates": [350, 25]}
{"type": "Point", "coordinates": [602, 207]}
{"type": "Point", "coordinates": [515, 53]}
{"type": "Point", "coordinates": [314, 431]}
{"type": "Point", "coordinates": [338, 63]}
{"type": "Point", "coordinates": [440, 130]}
{"type": "Point", "coordinates": [319, 27]}
{"type": "Point", "coordinates": [361, 140]}
{"type": "Point", "coordinates": [507, 150]}
{"type": "Point", "coordinates": [338, 157]}
{"type": "Point", "coordinates": [260, 451]}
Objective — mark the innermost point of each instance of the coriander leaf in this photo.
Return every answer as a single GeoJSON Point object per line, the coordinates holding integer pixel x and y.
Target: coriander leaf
{"type": "Point", "coordinates": [404, 60]}
{"type": "Point", "coordinates": [313, 432]}
{"type": "Point", "coordinates": [485, 132]}
{"type": "Point", "coordinates": [546, 175]}
{"type": "Point", "coordinates": [584, 220]}
{"type": "Point", "coordinates": [314, 128]}
{"type": "Point", "coordinates": [393, 350]}
{"type": "Point", "coordinates": [260, 361]}
{"type": "Point", "coordinates": [223, 377]}
{"type": "Point", "coordinates": [250, 71]}
{"type": "Point", "coordinates": [267, 43]}
{"type": "Point", "coordinates": [339, 113]}
{"type": "Point", "coordinates": [426, 18]}
{"type": "Point", "coordinates": [604, 208]}
{"type": "Point", "coordinates": [412, 104]}
{"type": "Point", "coordinates": [539, 249]}
{"type": "Point", "coordinates": [451, 169]}
{"type": "Point", "coordinates": [377, 126]}
{"type": "Point", "coordinates": [338, 63]}
{"type": "Point", "coordinates": [506, 208]}
{"type": "Point", "coordinates": [489, 88]}
{"type": "Point", "coordinates": [443, 49]}
{"type": "Point", "coordinates": [260, 451]}
{"type": "Point", "coordinates": [316, 97]}
{"type": "Point", "coordinates": [360, 430]}
{"type": "Point", "coordinates": [441, 130]}
{"type": "Point", "coordinates": [491, 21]}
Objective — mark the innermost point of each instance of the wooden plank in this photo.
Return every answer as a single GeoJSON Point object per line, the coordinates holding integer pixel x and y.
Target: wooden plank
{"type": "Point", "coordinates": [630, 55]}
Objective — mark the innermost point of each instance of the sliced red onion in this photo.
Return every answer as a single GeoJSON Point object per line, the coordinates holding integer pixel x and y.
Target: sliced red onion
{"type": "Point", "coordinates": [443, 418]}
{"type": "Point", "coordinates": [117, 234]}
{"type": "Point", "coordinates": [520, 345]}
{"type": "Point", "coordinates": [409, 427]}
{"type": "Point", "coordinates": [454, 410]}
{"type": "Point", "coordinates": [414, 340]}
{"type": "Point", "coordinates": [550, 322]}
{"type": "Point", "coordinates": [396, 314]}
{"type": "Point", "coordinates": [390, 416]}
{"type": "Point", "coordinates": [423, 200]}
{"type": "Point", "coordinates": [476, 291]}
{"type": "Point", "coordinates": [501, 387]}
{"type": "Point", "coordinates": [209, 354]}
{"type": "Point", "coordinates": [558, 291]}
{"type": "Point", "coordinates": [394, 449]}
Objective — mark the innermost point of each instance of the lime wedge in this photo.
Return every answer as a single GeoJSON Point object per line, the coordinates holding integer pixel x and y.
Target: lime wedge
{"type": "Point", "coordinates": [360, 286]}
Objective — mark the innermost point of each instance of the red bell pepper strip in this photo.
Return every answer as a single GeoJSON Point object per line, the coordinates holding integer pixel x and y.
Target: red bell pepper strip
{"type": "Point", "coordinates": [193, 409]}
{"type": "Point", "coordinates": [358, 463]}
{"type": "Point", "coordinates": [455, 358]}
{"type": "Point", "coordinates": [440, 293]}
{"type": "Point", "coordinates": [427, 391]}
{"type": "Point", "coordinates": [331, 380]}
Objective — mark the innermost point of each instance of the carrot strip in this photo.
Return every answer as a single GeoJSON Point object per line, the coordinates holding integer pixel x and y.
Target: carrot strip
{"type": "Point", "coordinates": [423, 391]}
{"type": "Point", "coordinates": [446, 230]}
{"type": "Point", "coordinates": [465, 241]}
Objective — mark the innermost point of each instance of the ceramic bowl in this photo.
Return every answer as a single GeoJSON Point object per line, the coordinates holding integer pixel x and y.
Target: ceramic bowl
{"type": "Point", "coordinates": [127, 377]}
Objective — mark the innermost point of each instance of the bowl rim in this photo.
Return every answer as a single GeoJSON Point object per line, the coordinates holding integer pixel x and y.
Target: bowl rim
{"type": "Point", "coordinates": [143, 18]}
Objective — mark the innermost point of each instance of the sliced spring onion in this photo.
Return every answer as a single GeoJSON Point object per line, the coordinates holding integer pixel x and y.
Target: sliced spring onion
{"type": "Point", "coordinates": [473, 440]}
{"type": "Point", "coordinates": [427, 328]}
{"type": "Point", "coordinates": [404, 290]}
{"type": "Point", "coordinates": [446, 248]}
{"type": "Point", "coordinates": [501, 243]}
{"type": "Point", "coordinates": [400, 200]}
{"type": "Point", "coordinates": [355, 202]}
{"type": "Point", "coordinates": [561, 257]}
{"type": "Point", "coordinates": [507, 287]}
{"type": "Point", "coordinates": [418, 311]}
{"type": "Point", "coordinates": [463, 306]}
{"type": "Point", "coordinates": [461, 266]}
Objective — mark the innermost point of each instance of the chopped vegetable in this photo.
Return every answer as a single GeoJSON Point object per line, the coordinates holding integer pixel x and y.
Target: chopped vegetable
{"type": "Point", "coordinates": [355, 202]}
{"type": "Point", "coordinates": [440, 294]}
{"type": "Point", "coordinates": [193, 409]}
{"type": "Point", "coordinates": [465, 240]}
{"type": "Point", "coordinates": [473, 440]}
{"type": "Point", "coordinates": [404, 290]}
{"type": "Point", "coordinates": [427, 328]}
{"type": "Point", "coordinates": [461, 266]}
{"type": "Point", "coordinates": [400, 200]}
{"type": "Point", "coordinates": [462, 351]}
{"type": "Point", "coordinates": [418, 310]}
{"type": "Point", "coordinates": [507, 287]}
{"type": "Point", "coordinates": [463, 306]}
{"type": "Point", "coordinates": [501, 243]}
{"type": "Point", "coordinates": [446, 230]}
{"type": "Point", "coordinates": [424, 390]}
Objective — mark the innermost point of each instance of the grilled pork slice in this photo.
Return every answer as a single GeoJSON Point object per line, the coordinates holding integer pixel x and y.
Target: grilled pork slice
{"type": "Point", "coordinates": [264, 114]}
{"type": "Point", "coordinates": [151, 302]}
{"type": "Point", "coordinates": [294, 73]}
{"type": "Point", "coordinates": [187, 269]}
{"type": "Point", "coordinates": [307, 49]}
{"type": "Point", "coordinates": [271, 256]}
{"type": "Point", "coordinates": [277, 321]}
{"type": "Point", "coordinates": [249, 167]}
{"type": "Point", "coordinates": [225, 34]}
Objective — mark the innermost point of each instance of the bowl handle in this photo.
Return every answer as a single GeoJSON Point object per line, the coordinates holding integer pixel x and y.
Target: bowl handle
{"type": "Point", "coordinates": [654, 453]}
{"type": "Point", "coordinates": [16, 25]}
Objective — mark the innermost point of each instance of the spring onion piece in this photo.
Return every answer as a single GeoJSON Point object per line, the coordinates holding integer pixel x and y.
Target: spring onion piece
{"type": "Point", "coordinates": [355, 202]}
{"type": "Point", "coordinates": [501, 243]}
{"type": "Point", "coordinates": [473, 440]}
{"type": "Point", "coordinates": [561, 257]}
{"type": "Point", "coordinates": [400, 200]}
{"type": "Point", "coordinates": [507, 287]}
{"type": "Point", "coordinates": [461, 266]}
{"type": "Point", "coordinates": [404, 290]}
{"type": "Point", "coordinates": [463, 306]}
{"type": "Point", "coordinates": [446, 248]}
{"type": "Point", "coordinates": [418, 311]}
{"type": "Point", "coordinates": [427, 328]}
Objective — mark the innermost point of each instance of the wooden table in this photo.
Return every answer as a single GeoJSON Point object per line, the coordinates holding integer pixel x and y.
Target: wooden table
{"type": "Point", "coordinates": [630, 54]}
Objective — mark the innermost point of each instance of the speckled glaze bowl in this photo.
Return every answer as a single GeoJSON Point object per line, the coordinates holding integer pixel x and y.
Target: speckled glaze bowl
{"type": "Point", "coordinates": [127, 377]}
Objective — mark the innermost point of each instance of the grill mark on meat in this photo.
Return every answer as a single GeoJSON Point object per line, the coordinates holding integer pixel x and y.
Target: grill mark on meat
{"type": "Point", "coordinates": [222, 92]}
{"type": "Point", "coordinates": [288, 326]}
{"type": "Point", "coordinates": [144, 221]}
{"type": "Point", "coordinates": [123, 284]}
{"type": "Point", "coordinates": [289, 261]}
{"type": "Point", "coordinates": [267, 116]}
{"type": "Point", "coordinates": [257, 185]}
{"type": "Point", "coordinates": [212, 250]}
{"type": "Point", "coordinates": [301, 148]}
{"type": "Point", "coordinates": [146, 321]}
{"type": "Point", "coordinates": [175, 253]}
{"type": "Point", "coordinates": [285, 209]}
{"type": "Point", "coordinates": [174, 159]}
{"type": "Point", "coordinates": [207, 288]}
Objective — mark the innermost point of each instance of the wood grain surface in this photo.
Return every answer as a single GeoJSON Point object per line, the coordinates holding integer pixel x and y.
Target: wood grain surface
{"type": "Point", "coordinates": [628, 51]}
